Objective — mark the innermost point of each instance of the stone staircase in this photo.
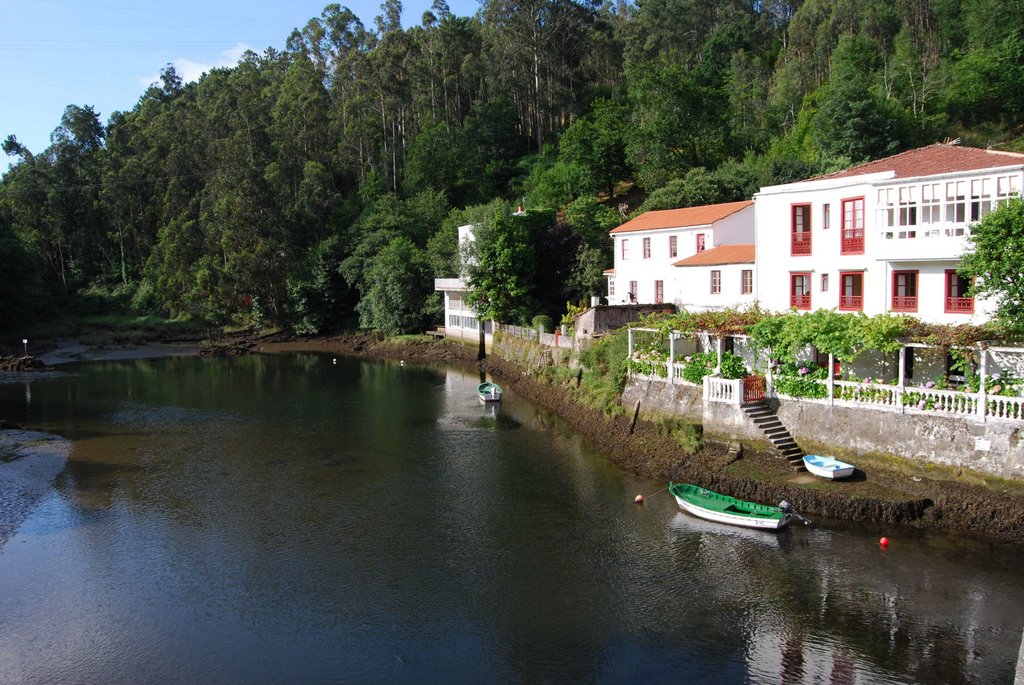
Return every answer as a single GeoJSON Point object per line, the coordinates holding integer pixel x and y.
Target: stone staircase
{"type": "Point", "coordinates": [765, 418]}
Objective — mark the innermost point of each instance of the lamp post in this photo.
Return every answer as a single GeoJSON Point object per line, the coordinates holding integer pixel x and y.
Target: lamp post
{"type": "Point", "coordinates": [24, 341]}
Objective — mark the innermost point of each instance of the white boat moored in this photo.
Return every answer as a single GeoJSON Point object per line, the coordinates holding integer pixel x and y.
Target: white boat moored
{"type": "Point", "coordinates": [828, 467]}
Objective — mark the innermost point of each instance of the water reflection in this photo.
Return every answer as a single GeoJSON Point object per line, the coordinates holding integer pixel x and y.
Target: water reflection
{"type": "Point", "coordinates": [281, 519]}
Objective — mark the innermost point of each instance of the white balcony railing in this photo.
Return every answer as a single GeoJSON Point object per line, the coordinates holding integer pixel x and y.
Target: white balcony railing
{"type": "Point", "coordinates": [729, 391]}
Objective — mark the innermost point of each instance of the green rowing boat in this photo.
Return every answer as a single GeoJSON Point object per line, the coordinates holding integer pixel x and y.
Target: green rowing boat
{"type": "Point", "coordinates": [489, 392]}
{"type": "Point", "coordinates": [715, 507]}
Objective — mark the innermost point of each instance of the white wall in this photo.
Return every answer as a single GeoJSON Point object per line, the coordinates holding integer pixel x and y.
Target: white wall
{"type": "Point", "coordinates": [929, 248]}
{"type": "Point", "coordinates": [693, 287]}
{"type": "Point", "coordinates": [733, 229]}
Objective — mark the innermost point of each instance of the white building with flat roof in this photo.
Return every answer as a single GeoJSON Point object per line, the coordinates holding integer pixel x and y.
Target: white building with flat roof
{"type": "Point", "coordinates": [460, 320]}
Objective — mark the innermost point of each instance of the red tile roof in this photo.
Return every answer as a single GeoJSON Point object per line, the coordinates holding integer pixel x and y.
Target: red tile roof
{"type": "Point", "coordinates": [609, 272]}
{"type": "Point", "coordinates": [723, 254]}
{"type": "Point", "coordinates": [940, 158]}
{"type": "Point", "coordinates": [682, 218]}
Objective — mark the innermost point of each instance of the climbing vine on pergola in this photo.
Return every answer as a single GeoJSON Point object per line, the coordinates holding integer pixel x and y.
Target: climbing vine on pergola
{"type": "Point", "coordinates": [844, 335]}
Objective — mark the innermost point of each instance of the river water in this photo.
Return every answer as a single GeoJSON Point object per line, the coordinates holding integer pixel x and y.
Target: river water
{"type": "Point", "coordinates": [295, 518]}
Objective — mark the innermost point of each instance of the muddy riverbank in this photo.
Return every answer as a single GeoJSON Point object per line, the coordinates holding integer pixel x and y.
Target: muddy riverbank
{"type": "Point", "coordinates": [29, 463]}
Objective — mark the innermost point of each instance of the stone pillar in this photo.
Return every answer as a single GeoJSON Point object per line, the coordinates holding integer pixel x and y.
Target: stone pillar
{"type": "Point", "coordinates": [629, 333]}
{"type": "Point", "coordinates": [719, 348]}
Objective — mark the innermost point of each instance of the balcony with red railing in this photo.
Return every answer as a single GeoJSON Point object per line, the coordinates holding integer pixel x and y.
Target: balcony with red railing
{"type": "Point", "coordinates": [853, 241]}
{"type": "Point", "coordinates": [904, 303]}
{"type": "Point", "coordinates": [851, 303]}
{"type": "Point", "coordinates": [800, 301]}
{"type": "Point", "coordinates": [801, 243]}
{"type": "Point", "coordinates": [959, 305]}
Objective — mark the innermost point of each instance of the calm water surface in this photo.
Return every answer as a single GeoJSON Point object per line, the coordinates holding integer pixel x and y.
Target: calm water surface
{"type": "Point", "coordinates": [283, 519]}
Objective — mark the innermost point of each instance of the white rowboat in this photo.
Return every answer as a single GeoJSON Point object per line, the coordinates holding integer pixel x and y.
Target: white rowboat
{"type": "Point", "coordinates": [828, 467]}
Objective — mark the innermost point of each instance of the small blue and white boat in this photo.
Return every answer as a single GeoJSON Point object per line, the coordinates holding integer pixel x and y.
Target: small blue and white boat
{"type": "Point", "coordinates": [828, 467]}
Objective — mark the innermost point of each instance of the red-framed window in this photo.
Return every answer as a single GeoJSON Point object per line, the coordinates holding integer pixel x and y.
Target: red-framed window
{"type": "Point", "coordinates": [747, 281]}
{"type": "Point", "coordinates": [904, 291]}
{"type": "Point", "coordinates": [853, 226]}
{"type": "Point", "coordinates": [957, 301]}
{"type": "Point", "coordinates": [625, 248]}
{"type": "Point", "coordinates": [659, 292]}
{"type": "Point", "coordinates": [716, 282]}
{"type": "Point", "coordinates": [673, 247]}
{"type": "Point", "coordinates": [826, 216]}
{"type": "Point", "coordinates": [800, 290]}
{"type": "Point", "coordinates": [824, 283]}
{"type": "Point", "coordinates": [700, 242]}
{"type": "Point", "coordinates": [647, 248]}
{"type": "Point", "coordinates": [632, 292]}
{"type": "Point", "coordinates": [851, 294]}
{"type": "Point", "coordinates": [800, 235]}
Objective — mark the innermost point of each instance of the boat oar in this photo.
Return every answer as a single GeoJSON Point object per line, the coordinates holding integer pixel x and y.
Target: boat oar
{"type": "Point", "coordinates": [639, 499]}
{"type": "Point", "coordinates": [787, 508]}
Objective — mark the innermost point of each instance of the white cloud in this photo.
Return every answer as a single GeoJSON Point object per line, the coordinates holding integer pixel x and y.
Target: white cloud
{"type": "Point", "coordinates": [190, 70]}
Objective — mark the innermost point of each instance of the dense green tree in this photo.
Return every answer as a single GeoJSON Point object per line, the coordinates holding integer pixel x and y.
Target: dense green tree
{"type": "Point", "coordinates": [319, 297]}
{"type": "Point", "coordinates": [500, 266]}
{"type": "Point", "coordinates": [678, 122]}
{"type": "Point", "coordinates": [265, 192]}
{"type": "Point", "coordinates": [994, 261]}
{"type": "Point", "coordinates": [594, 148]}
{"type": "Point", "coordinates": [853, 119]}
{"type": "Point", "coordinates": [399, 281]}
{"type": "Point", "coordinates": [23, 294]}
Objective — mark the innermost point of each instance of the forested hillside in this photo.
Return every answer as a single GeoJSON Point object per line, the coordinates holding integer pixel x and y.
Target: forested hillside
{"type": "Point", "coordinates": [321, 186]}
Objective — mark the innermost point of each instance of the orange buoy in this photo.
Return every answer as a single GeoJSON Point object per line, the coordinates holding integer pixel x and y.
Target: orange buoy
{"type": "Point", "coordinates": [639, 499]}
{"type": "Point", "coordinates": [884, 542]}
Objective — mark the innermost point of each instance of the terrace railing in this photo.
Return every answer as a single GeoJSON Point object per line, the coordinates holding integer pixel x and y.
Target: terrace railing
{"type": "Point", "coordinates": [903, 399]}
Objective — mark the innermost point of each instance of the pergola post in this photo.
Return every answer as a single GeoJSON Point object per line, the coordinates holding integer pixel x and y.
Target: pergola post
{"type": "Point", "coordinates": [831, 378]}
{"type": "Point", "coordinates": [982, 390]}
{"type": "Point", "coordinates": [672, 357]}
{"type": "Point", "coordinates": [902, 377]}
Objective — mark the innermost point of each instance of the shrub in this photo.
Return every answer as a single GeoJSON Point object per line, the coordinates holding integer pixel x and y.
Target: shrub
{"type": "Point", "coordinates": [543, 322]}
{"type": "Point", "coordinates": [699, 365]}
{"type": "Point", "coordinates": [733, 366]}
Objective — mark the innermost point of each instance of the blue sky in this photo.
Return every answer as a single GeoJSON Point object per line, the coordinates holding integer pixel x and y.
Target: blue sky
{"type": "Point", "coordinates": [104, 53]}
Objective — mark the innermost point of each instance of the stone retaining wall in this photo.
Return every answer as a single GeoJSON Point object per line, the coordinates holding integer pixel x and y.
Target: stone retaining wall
{"type": "Point", "coordinates": [994, 447]}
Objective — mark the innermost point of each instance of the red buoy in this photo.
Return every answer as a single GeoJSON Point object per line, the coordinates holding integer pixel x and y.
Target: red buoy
{"type": "Point", "coordinates": [639, 499]}
{"type": "Point", "coordinates": [884, 542]}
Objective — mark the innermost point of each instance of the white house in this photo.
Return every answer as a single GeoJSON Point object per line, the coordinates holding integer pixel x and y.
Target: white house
{"type": "Point", "coordinates": [885, 236]}
{"type": "Point", "coordinates": [460, 319]}
{"type": "Point", "coordinates": [649, 247]}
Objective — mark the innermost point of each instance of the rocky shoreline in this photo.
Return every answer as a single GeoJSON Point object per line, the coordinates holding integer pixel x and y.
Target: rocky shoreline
{"type": "Point", "coordinates": [645, 450]}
